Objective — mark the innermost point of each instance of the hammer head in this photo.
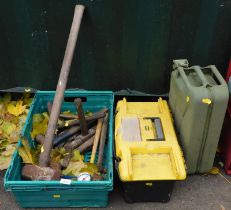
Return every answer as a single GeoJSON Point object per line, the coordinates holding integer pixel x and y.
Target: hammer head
{"type": "Point", "coordinates": [34, 172]}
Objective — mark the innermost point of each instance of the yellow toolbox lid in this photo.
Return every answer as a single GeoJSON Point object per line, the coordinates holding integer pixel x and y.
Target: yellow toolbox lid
{"type": "Point", "coordinates": [146, 142]}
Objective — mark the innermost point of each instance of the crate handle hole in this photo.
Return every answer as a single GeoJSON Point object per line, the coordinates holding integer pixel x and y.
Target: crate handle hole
{"type": "Point", "coordinates": [71, 99]}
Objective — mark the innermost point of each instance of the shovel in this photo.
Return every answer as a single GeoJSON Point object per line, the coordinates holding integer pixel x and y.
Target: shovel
{"type": "Point", "coordinates": [43, 171]}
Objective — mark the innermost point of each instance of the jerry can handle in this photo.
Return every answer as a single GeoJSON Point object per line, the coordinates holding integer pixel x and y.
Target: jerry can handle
{"type": "Point", "coordinates": [201, 75]}
{"type": "Point", "coordinates": [217, 74]}
{"type": "Point", "coordinates": [184, 77]}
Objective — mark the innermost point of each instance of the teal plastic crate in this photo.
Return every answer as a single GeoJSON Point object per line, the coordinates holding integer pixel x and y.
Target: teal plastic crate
{"type": "Point", "coordinates": [52, 193]}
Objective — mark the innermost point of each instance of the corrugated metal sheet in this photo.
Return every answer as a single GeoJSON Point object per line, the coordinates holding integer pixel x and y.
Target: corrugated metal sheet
{"type": "Point", "coordinates": [122, 44]}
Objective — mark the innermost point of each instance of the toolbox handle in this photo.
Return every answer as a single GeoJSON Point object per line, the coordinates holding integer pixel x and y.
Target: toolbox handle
{"type": "Point", "coordinates": [158, 127]}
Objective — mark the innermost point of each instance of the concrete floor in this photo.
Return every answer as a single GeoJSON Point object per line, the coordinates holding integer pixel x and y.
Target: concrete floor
{"type": "Point", "coordinates": [197, 192]}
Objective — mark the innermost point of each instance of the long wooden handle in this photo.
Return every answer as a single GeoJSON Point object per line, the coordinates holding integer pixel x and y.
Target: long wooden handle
{"type": "Point", "coordinates": [81, 115]}
{"type": "Point", "coordinates": [61, 86]}
{"type": "Point", "coordinates": [87, 145]}
{"type": "Point", "coordinates": [102, 141]}
{"type": "Point", "coordinates": [96, 139]}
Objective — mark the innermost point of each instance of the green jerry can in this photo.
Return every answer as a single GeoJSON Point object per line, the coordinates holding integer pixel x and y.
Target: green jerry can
{"type": "Point", "coordinates": [198, 99]}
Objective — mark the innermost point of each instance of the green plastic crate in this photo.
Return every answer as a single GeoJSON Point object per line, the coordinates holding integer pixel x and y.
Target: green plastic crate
{"type": "Point", "coordinates": [52, 193]}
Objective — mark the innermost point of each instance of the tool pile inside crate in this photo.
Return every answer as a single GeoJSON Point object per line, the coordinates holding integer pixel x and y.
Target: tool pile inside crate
{"type": "Point", "coordinates": [75, 135]}
{"type": "Point", "coordinates": [81, 182]}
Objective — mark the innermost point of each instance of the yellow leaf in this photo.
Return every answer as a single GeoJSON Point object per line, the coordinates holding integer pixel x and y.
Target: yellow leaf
{"type": "Point", "coordinates": [68, 112]}
{"type": "Point", "coordinates": [24, 155]}
{"type": "Point", "coordinates": [76, 156]}
{"type": "Point", "coordinates": [3, 144]}
{"type": "Point", "coordinates": [46, 115]}
{"type": "Point", "coordinates": [40, 123]}
{"type": "Point", "coordinates": [22, 120]}
{"type": "Point", "coordinates": [14, 136]}
{"type": "Point", "coordinates": [37, 118]}
{"type": "Point", "coordinates": [25, 152]}
{"type": "Point", "coordinates": [9, 150]}
{"type": "Point", "coordinates": [4, 162]}
{"type": "Point", "coordinates": [90, 168]}
{"type": "Point", "coordinates": [88, 113]}
{"type": "Point", "coordinates": [7, 127]}
{"type": "Point", "coordinates": [214, 171]}
{"type": "Point", "coordinates": [74, 168]}
{"type": "Point", "coordinates": [57, 154]}
{"type": "Point", "coordinates": [17, 109]}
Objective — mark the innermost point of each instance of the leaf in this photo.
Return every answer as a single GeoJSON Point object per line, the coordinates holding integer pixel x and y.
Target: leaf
{"type": "Point", "coordinates": [60, 122]}
{"type": "Point", "coordinates": [77, 156]}
{"type": "Point", "coordinates": [14, 136]}
{"type": "Point", "coordinates": [36, 153]}
{"type": "Point", "coordinates": [22, 120]}
{"type": "Point", "coordinates": [9, 150]}
{"type": "Point", "coordinates": [3, 144]}
{"type": "Point", "coordinates": [57, 154]}
{"type": "Point", "coordinates": [214, 171]}
{"type": "Point", "coordinates": [90, 168]}
{"type": "Point", "coordinates": [46, 115]}
{"type": "Point", "coordinates": [39, 125]}
{"type": "Point", "coordinates": [68, 112]}
{"type": "Point", "coordinates": [38, 118]}
{"type": "Point", "coordinates": [4, 162]}
{"type": "Point", "coordinates": [12, 119]}
{"type": "Point", "coordinates": [6, 98]}
{"type": "Point", "coordinates": [7, 127]}
{"type": "Point", "coordinates": [17, 109]}
{"type": "Point", "coordinates": [2, 109]}
{"type": "Point", "coordinates": [67, 122]}
{"type": "Point", "coordinates": [25, 152]}
{"type": "Point", "coordinates": [25, 157]}
{"type": "Point", "coordinates": [74, 168]}
{"type": "Point", "coordinates": [27, 101]}
{"type": "Point", "coordinates": [88, 113]}
{"type": "Point", "coordinates": [8, 117]}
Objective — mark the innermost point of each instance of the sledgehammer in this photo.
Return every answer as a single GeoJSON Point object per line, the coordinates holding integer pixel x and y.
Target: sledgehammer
{"type": "Point", "coordinates": [44, 171]}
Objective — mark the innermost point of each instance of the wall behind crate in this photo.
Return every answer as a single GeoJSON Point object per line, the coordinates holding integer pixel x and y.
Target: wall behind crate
{"type": "Point", "coordinates": [122, 44]}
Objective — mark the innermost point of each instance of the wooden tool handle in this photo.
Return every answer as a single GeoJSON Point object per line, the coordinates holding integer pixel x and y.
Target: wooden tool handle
{"type": "Point", "coordinates": [102, 141]}
{"type": "Point", "coordinates": [94, 116]}
{"type": "Point", "coordinates": [96, 139]}
{"type": "Point", "coordinates": [81, 115]}
{"type": "Point", "coordinates": [79, 140]}
{"type": "Point", "coordinates": [61, 86]}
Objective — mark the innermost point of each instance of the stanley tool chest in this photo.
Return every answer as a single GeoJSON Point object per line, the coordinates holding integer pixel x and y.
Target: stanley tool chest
{"type": "Point", "coordinates": [146, 145]}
